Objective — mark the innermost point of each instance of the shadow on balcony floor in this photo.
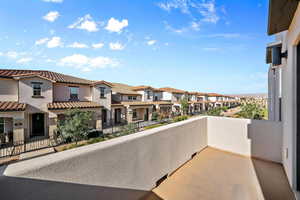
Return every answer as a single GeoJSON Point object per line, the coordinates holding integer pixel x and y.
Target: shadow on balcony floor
{"type": "Point", "coordinates": [30, 189]}
{"type": "Point", "coordinates": [214, 175]}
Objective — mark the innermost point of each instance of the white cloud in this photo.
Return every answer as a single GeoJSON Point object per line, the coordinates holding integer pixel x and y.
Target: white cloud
{"type": "Point", "coordinates": [41, 41]}
{"type": "Point", "coordinates": [114, 25]}
{"type": "Point", "coordinates": [175, 30]}
{"type": "Point", "coordinates": [225, 35]}
{"type": "Point", "coordinates": [151, 42]}
{"type": "Point", "coordinates": [85, 63]}
{"type": "Point", "coordinates": [11, 54]}
{"type": "Point", "coordinates": [195, 26]}
{"type": "Point", "coordinates": [54, 42]}
{"type": "Point", "coordinates": [85, 23]}
{"type": "Point", "coordinates": [183, 5]}
{"type": "Point", "coordinates": [209, 12]}
{"type": "Point", "coordinates": [78, 45]}
{"type": "Point", "coordinates": [204, 11]}
{"type": "Point", "coordinates": [24, 60]}
{"type": "Point", "coordinates": [54, 1]}
{"type": "Point", "coordinates": [97, 45]}
{"type": "Point", "coordinates": [51, 16]}
{"type": "Point", "coordinates": [116, 46]}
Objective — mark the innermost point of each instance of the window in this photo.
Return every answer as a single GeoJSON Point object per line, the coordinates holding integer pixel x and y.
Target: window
{"type": "Point", "coordinates": [148, 94]}
{"type": "Point", "coordinates": [74, 93]}
{"type": "Point", "coordinates": [134, 114]}
{"type": "Point", "coordinates": [131, 97]}
{"type": "Point", "coordinates": [156, 98]}
{"type": "Point", "coordinates": [102, 92]}
{"type": "Point", "coordinates": [1, 125]}
{"type": "Point", "coordinates": [37, 89]}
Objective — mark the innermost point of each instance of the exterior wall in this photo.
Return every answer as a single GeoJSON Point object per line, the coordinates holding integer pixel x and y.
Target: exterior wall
{"type": "Point", "coordinates": [106, 101]}
{"type": "Point", "coordinates": [177, 97]}
{"type": "Point", "coordinates": [212, 98]}
{"type": "Point", "coordinates": [16, 124]}
{"type": "Point", "coordinates": [61, 92]}
{"type": "Point", "coordinates": [167, 96]}
{"type": "Point", "coordinates": [35, 105]}
{"type": "Point", "coordinates": [290, 39]}
{"type": "Point", "coordinates": [8, 90]}
{"type": "Point", "coordinates": [123, 158]}
{"type": "Point", "coordinates": [125, 98]}
{"type": "Point", "coordinates": [261, 139]}
{"type": "Point", "coordinates": [145, 96]}
{"type": "Point", "coordinates": [159, 96]}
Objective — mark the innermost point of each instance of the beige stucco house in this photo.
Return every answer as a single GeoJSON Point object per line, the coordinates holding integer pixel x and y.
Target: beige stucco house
{"type": "Point", "coordinates": [32, 101]}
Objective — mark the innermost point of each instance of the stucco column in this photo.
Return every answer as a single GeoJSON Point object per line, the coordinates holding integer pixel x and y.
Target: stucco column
{"type": "Point", "coordinates": [52, 126]}
{"type": "Point", "coordinates": [98, 120]}
{"type": "Point", "coordinates": [129, 115]}
{"type": "Point", "coordinates": [18, 130]}
{"type": "Point", "coordinates": [150, 114]}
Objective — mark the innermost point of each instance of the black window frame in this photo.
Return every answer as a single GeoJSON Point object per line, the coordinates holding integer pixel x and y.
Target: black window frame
{"type": "Point", "coordinates": [102, 92]}
{"type": "Point", "coordinates": [134, 114]}
{"type": "Point", "coordinates": [148, 95]}
{"type": "Point", "coordinates": [73, 96]}
{"type": "Point", "coordinates": [36, 88]}
{"type": "Point", "coordinates": [2, 124]}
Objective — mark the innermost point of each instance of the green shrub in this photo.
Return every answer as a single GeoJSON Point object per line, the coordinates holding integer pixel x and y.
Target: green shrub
{"type": "Point", "coordinates": [155, 116]}
{"type": "Point", "coordinates": [214, 112]}
{"type": "Point", "coordinates": [154, 126]}
{"type": "Point", "coordinates": [180, 118]}
{"type": "Point", "coordinates": [128, 129]}
{"type": "Point", "coordinates": [75, 126]}
{"type": "Point", "coordinates": [252, 111]}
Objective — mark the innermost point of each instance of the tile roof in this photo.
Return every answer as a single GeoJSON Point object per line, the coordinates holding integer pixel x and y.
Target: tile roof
{"type": "Point", "coordinates": [11, 106]}
{"type": "Point", "coordinates": [53, 76]}
{"type": "Point", "coordinates": [72, 105]}
{"type": "Point", "coordinates": [144, 87]}
{"type": "Point", "coordinates": [162, 103]}
{"type": "Point", "coordinates": [172, 90]}
{"type": "Point", "coordinates": [123, 89]}
{"type": "Point", "coordinates": [137, 103]}
{"type": "Point", "coordinates": [103, 82]}
{"type": "Point", "coordinates": [214, 95]}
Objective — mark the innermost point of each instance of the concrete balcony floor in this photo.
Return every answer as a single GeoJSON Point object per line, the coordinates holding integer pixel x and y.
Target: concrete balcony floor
{"type": "Point", "coordinates": [213, 174]}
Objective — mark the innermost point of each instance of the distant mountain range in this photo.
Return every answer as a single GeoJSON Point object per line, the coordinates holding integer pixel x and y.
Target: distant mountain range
{"type": "Point", "coordinates": [254, 95]}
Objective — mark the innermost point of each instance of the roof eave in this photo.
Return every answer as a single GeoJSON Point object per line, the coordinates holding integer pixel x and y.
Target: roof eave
{"type": "Point", "coordinates": [281, 13]}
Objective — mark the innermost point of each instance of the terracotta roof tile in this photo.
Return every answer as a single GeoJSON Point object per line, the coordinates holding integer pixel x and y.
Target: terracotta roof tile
{"type": "Point", "coordinates": [53, 76]}
{"type": "Point", "coordinates": [11, 106]}
{"type": "Point", "coordinates": [72, 105]}
{"type": "Point", "coordinates": [172, 90]}
{"type": "Point", "coordinates": [123, 89]}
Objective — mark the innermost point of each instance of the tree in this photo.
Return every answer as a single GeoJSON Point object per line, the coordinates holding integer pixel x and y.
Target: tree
{"type": "Point", "coordinates": [215, 111]}
{"type": "Point", "coordinates": [184, 105]}
{"type": "Point", "coordinates": [252, 111]}
{"type": "Point", "coordinates": [75, 126]}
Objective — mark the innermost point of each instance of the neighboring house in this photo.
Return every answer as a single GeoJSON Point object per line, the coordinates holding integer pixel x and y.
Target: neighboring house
{"type": "Point", "coordinates": [196, 101]}
{"type": "Point", "coordinates": [155, 97]}
{"type": "Point", "coordinates": [175, 96]}
{"type": "Point", "coordinates": [284, 82]}
{"type": "Point", "coordinates": [32, 101]}
{"type": "Point", "coordinates": [127, 104]}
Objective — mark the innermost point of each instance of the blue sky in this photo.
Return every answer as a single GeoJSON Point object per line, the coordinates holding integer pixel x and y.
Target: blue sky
{"type": "Point", "coordinates": [197, 45]}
